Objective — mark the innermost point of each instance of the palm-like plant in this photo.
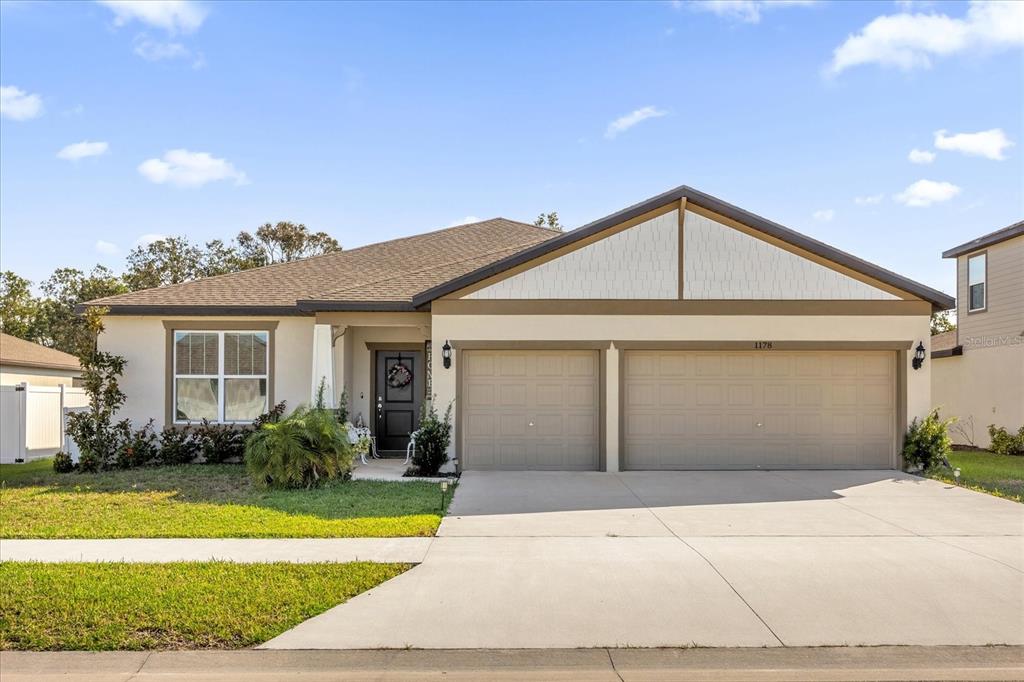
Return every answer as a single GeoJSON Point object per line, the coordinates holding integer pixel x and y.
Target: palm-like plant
{"type": "Point", "coordinates": [303, 450]}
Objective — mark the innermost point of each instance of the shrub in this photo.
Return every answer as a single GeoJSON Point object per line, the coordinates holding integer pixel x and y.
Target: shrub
{"type": "Point", "coordinates": [138, 447]}
{"type": "Point", "coordinates": [304, 450]}
{"type": "Point", "coordinates": [94, 433]}
{"type": "Point", "coordinates": [62, 463]}
{"type": "Point", "coordinates": [177, 446]}
{"type": "Point", "coordinates": [1006, 443]}
{"type": "Point", "coordinates": [432, 440]}
{"type": "Point", "coordinates": [927, 443]}
{"type": "Point", "coordinates": [221, 442]}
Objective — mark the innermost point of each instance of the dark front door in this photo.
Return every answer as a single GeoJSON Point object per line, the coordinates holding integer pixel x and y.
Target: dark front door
{"type": "Point", "coordinates": [399, 377]}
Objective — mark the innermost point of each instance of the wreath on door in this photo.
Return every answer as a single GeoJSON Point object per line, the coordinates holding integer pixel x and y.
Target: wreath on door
{"type": "Point", "coordinates": [399, 376]}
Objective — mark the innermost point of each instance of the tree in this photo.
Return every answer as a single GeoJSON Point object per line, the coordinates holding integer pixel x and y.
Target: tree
{"type": "Point", "coordinates": [283, 242]}
{"type": "Point", "coordinates": [18, 307]}
{"type": "Point", "coordinates": [941, 322]}
{"type": "Point", "coordinates": [548, 220]}
{"type": "Point", "coordinates": [171, 260]}
{"type": "Point", "coordinates": [59, 326]}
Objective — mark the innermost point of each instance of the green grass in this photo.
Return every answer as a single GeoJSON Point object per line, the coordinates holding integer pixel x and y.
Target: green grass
{"type": "Point", "coordinates": [209, 605]}
{"type": "Point", "coordinates": [206, 501]}
{"type": "Point", "coordinates": [1001, 475]}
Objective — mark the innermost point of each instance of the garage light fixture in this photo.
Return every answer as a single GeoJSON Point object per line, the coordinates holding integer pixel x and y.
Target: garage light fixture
{"type": "Point", "coordinates": [446, 354]}
{"type": "Point", "coordinates": [918, 355]}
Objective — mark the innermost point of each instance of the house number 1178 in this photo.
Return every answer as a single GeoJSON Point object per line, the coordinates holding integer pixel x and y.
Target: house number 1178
{"type": "Point", "coordinates": [762, 345]}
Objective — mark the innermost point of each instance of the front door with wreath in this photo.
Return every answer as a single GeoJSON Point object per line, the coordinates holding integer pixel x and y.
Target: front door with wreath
{"type": "Point", "coordinates": [399, 394]}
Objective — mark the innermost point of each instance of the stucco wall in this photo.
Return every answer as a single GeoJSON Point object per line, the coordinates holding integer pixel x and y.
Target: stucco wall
{"type": "Point", "coordinates": [981, 387]}
{"type": "Point", "coordinates": [142, 342]}
{"type": "Point", "coordinates": [720, 262]}
{"type": "Point", "coordinates": [909, 329]}
{"type": "Point", "coordinates": [11, 375]}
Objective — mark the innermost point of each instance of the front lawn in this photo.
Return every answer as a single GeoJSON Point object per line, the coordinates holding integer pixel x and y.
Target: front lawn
{"type": "Point", "coordinates": [208, 605]}
{"type": "Point", "coordinates": [1001, 475]}
{"type": "Point", "coordinates": [206, 501]}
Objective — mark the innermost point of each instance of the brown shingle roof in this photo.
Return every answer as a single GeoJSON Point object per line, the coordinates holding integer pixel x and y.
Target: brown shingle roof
{"type": "Point", "coordinates": [15, 351]}
{"type": "Point", "coordinates": [387, 273]}
{"type": "Point", "coordinates": [944, 341]}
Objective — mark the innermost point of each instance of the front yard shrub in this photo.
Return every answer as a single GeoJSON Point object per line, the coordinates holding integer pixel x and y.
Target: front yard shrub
{"type": "Point", "coordinates": [177, 446]}
{"type": "Point", "coordinates": [63, 464]}
{"type": "Point", "coordinates": [93, 431]}
{"type": "Point", "coordinates": [138, 447]}
{"type": "Point", "coordinates": [927, 443]}
{"type": "Point", "coordinates": [432, 440]}
{"type": "Point", "coordinates": [304, 450]}
{"type": "Point", "coordinates": [1004, 442]}
{"type": "Point", "coordinates": [221, 442]}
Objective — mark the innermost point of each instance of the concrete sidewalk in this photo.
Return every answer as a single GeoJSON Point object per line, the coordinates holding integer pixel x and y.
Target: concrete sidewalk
{"type": "Point", "coordinates": [305, 550]}
{"type": "Point", "coordinates": [604, 665]}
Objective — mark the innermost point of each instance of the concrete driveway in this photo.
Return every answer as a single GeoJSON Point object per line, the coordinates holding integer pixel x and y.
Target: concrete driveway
{"type": "Point", "coordinates": [667, 559]}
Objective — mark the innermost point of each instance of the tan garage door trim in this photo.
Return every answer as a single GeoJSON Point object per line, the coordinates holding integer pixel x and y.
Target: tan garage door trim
{"type": "Point", "coordinates": [600, 346]}
{"type": "Point", "coordinates": [900, 382]}
{"type": "Point", "coordinates": [760, 345]}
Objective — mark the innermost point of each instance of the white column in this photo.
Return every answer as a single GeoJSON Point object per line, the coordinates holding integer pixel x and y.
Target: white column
{"type": "Point", "coordinates": [611, 409]}
{"type": "Point", "coordinates": [323, 364]}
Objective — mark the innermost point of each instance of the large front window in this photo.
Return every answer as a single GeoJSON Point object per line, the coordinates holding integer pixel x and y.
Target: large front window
{"type": "Point", "coordinates": [220, 376]}
{"type": "Point", "coordinates": [976, 274]}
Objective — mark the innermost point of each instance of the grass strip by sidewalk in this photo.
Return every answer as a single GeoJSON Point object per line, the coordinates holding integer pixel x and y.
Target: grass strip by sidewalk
{"type": "Point", "coordinates": [206, 501]}
{"type": "Point", "coordinates": [999, 475]}
{"type": "Point", "coordinates": [205, 605]}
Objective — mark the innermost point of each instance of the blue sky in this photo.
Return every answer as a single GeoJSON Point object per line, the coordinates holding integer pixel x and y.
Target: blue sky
{"type": "Point", "coordinates": [378, 121]}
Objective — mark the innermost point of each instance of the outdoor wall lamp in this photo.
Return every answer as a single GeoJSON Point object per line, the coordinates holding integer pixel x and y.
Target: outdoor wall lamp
{"type": "Point", "coordinates": [446, 354]}
{"type": "Point", "coordinates": [918, 355]}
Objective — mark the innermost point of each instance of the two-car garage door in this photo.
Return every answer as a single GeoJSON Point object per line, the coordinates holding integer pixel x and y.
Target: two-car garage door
{"type": "Point", "coordinates": [541, 409]}
{"type": "Point", "coordinates": [759, 409]}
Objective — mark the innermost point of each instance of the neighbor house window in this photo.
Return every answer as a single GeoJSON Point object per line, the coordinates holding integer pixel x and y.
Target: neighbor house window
{"type": "Point", "coordinates": [220, 375]}
{"type": "Point", "coordinates": [976, 272]}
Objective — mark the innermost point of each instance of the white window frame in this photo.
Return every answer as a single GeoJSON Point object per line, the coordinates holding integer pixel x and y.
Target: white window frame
{"type": "Point", "coordinates": [984, 282]}
{"type": "Point", "coordinates": [221, 376]}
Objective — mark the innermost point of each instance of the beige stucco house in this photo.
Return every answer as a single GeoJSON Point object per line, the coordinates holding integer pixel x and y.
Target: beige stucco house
{"type": "Point", "coordinates": [679, 333]}
{"type": "Point", "coordinates": [26, 362]}
{"type": "Point", "coordinates": [978, 369]}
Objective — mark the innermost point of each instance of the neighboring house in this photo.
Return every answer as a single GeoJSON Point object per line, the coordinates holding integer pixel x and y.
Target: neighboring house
{"type": "Point", "coordinates": [978, 369]}
{"type": "Point", "coordinates": [26, 362]}
{"type": "Point", "coordinates": [679, 333]}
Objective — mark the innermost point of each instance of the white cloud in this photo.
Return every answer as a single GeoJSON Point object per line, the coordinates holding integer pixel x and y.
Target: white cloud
{"type": "Point", "coordinates": [909, 41]}
{"type": "Point", "coordinates": [106, 248]}
{"type": "Point", "coordinates": [869, 200]}
{"type": "Point", "coordinates": [926, 193]}
{"type": "Point", "coordinates": [624, 123]}
{"type": "Point", "coordinates": [184, 168]}
{"type": "Point", "coordinates": [920, 156]}
{"type": "Point", "coordinates": [825, 215]}
{"type": "Point", "coordinates": [988, 143]}
{"type": "Point", "coordinates": [154, 50]}
{"type": "Point", "coordinates": [149, 238]}
{"type": "Point", "coordinates": [465, 221]}
{"type": "Point", "coordinates": [746, 11]}
{"type": "Point", "coordinates": [81, 150]}
{"type": "Point", "coordinates": [173, 16]}
{"type": "Point", "coordinates": [19, 105]}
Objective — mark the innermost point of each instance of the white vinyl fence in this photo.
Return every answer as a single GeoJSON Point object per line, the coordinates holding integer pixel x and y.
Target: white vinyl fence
{"type": "Point", "coordinates": [32, 419]}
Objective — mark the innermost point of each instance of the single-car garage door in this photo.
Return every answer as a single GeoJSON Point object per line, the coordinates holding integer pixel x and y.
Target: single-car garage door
{"type": "Point", "coordinates": [530, 409]}
{"type": "Point", "coordinates": [768, 409]}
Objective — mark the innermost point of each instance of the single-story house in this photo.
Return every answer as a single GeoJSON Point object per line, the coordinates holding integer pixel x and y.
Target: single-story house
{"type": "Point", "coordinates": [679, 333]}
{"type": "Point", "coordinates": [22, 361]}
{"type": "Point", "coordinates": [978, 368]}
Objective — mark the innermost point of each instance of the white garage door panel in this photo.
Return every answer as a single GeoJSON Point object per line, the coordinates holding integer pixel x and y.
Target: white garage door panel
{"type": "Point", "coordinates": [769, 409]}
{"type": "Point", "coordinates": [530, 410]}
